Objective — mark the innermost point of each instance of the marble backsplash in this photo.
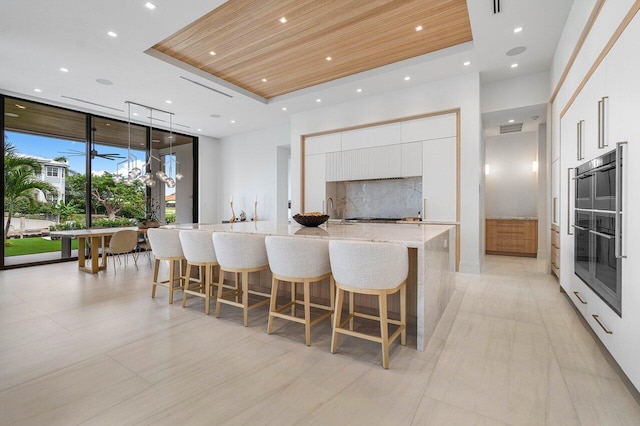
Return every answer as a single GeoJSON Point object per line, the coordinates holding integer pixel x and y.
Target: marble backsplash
{"type": "Point", "coordinates": [385, 198]}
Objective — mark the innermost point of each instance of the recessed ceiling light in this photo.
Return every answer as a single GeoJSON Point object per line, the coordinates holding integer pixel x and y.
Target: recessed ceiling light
{"type": "Point", "coordinates": [517, 29]}
{"type": "Point", "coordinates": [149, 5]}
{"type": "Point", "coordinates": [359, 90]}
{"type": "Point", "coordinates": [466, 64]}
{"type": "Point", "coordinates": [407, 78]}
{"type": "Point", "coordinates": [168, 101]}
{"type": "Point", "coordinates": [233, 121]}
{"type": "Point", "coordinates": [318, 100]}
{"type": "Point", "coordinates": [112, 34]}
{"type": "Point", "coordinates": [212, 53]}
{"type": "Point", "coordinates": [419, 28]}
{"type": "Point", "coordinates": [511, 121]}
{"type": "Point", "coordinates": [37, 90]}
{"type": "Point", "coordinates": [11, 114]}
{"type": "Point", "coordinates": [284, 108]}
{"type": "Point", "coordinates": [264, 80]}
{"type": "Point", "coordinates": [328, 58]}
{"type": "Point", "coordinates": [64, 69]}
{"type": "Point", "coordinates": [199, 130]}
{"type": "Point", "coordinates": [108, 125]}
{"type": "Point", "coordinates": [21, 106]}
{"type": "Point", "coordinates": [283, 20]}
{"type": "Point", "coordinates": [514, 65]}
{"type": "Point", "coordinates": [135, 114]}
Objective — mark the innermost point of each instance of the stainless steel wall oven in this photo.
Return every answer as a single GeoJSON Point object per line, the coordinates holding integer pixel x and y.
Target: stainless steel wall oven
{"type": "Point", "coordinates": [598, 227]}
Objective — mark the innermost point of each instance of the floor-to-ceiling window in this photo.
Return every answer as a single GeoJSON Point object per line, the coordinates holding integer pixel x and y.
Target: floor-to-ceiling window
{"type": "Point", "coordinates": [65, 169]}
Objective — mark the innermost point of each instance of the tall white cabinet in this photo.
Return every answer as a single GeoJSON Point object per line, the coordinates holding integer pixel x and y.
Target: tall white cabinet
{"type": "Point", "coordinates": [425, 147]}
{"type": "Point", "coordinates": [614, 89]}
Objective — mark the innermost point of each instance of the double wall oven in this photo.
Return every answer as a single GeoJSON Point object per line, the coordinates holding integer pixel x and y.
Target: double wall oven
{"type": "Point", "coordinates": [598, 226]}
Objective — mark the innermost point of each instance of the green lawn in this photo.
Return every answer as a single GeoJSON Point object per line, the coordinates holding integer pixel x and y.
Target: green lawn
{"type": "Point", "coordinates": [17, 247]}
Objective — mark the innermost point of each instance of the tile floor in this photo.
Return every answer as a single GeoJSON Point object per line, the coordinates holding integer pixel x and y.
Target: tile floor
{"type": "Point", "coordinates": [96, 349]}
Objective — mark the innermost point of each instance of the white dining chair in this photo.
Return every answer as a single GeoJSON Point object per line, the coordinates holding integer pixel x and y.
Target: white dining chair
{"type": "Point", "coordinates": [378, 269]}
{"type": "Point", "coordinates": [124, 242]}
{"type": "Point", "coordinates": [165, 244]}
{"type": "Point", "coordinates": [298, 260]}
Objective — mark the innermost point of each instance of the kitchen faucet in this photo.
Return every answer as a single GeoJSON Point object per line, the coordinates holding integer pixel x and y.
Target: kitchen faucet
{"type": "Point", "coordinates": [329, 203]}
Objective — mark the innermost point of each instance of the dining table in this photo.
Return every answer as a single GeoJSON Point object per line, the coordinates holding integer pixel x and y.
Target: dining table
{"type": "Point", "coordinates": [95, 237]}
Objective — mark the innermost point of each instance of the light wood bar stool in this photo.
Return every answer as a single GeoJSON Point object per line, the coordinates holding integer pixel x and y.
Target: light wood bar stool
{"type": "Point", "coordinates": [240, 254]}
{"type": "Point", "coordinates": [165, 245]}
{"type": "Point", "coordinates": [198, 250]}
{"type": "Point", "coordinates": [294, 260]}
{"type": "Point", "coordinates": [370, 268]}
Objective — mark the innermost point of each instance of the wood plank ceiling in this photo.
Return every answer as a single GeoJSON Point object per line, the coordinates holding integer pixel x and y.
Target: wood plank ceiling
{"type": "Point", "coordinates": [251, 44]}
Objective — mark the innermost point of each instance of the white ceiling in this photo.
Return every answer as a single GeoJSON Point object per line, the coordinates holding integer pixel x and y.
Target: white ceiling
{"type": "Point", "coordinates": [38, 37]}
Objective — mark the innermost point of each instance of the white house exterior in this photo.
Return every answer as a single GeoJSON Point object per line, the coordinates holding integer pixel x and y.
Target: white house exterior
{"type": "Point", "coordinates": [54, 173]}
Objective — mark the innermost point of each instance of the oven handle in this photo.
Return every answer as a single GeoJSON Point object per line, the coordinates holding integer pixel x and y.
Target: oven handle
{"type": "Point", "coordinates": [569, 179]}
{"type": "Point", "coordinates": [581, 228]}
{"type": "Point", "coordinates": [618, 216]}
{"type": "Point", "coordinates": [600, 234]}
{"type": "Point", "coordinates": [600, 125]}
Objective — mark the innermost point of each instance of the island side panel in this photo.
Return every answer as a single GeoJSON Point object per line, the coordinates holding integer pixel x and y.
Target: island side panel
{"type": "Point", "coordinates": [436, 282]}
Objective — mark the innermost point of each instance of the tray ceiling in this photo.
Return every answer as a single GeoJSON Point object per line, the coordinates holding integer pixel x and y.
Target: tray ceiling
{"type": "Point", "coordinates": [252, 45]}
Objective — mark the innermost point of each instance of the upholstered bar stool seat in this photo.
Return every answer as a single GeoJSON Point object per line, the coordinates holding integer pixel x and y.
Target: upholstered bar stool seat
{"type": "Point", "coordinates": [198, 250]}
{"type": "Point", "coordinates": [165, 244]}
{"type": "Point", "coordinates": [240, 254]}
{"type": "Point", "coordinates": [370, 268]}
{"type": "Point", "coordinates": [295, 260]}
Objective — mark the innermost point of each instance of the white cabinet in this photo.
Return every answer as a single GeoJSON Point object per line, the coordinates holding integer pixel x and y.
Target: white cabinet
{"type": "Point", "coordinates": [314, 182]}
{"type": "Point", "coordinates": [411, 159]}
{"type": "Point", "coordinates": [367, 163]}
{"type": "Point", "coordinates": [436, 127]}
{"type": "Point", "coordinates": [439, 179]}
{"type": "Point", "coordinates": [323, 144]}
{"type": "Point", "coordinates": [371, 137]}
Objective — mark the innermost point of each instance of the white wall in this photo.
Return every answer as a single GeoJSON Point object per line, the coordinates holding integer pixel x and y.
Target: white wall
{"type": "Point", "coordinates": [531, 89]}
{"type": "Point", "coordinates": [456, 92]}
{"type": "Point", "coordinates": [511, 188]}
{"type": "Point", "coordinates": [208, 164]}
{"type": "Point", "coordinates": [247, 165]}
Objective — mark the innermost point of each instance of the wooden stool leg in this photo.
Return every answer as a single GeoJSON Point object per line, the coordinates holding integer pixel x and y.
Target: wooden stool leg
{"type": "Point", "coordinates": [336, 319]}
{"type": "Point", "coordinates": [294, 292]}
{"type": "Point", "coordinates": [220, 283]}
{"type": "Point", "coordinates": [272, 304]}
{"type": "Point", "coordinates": [403, 314]}
{"type": "Point", "coordinates": [208, 276]}
{"type": "Point", "coordinates": [245, 298]}
{"type": "Point", "coordinates": [238, 291]}
{"type": "Point", "coordinates": [352, 298]}
{"type": "Point", "coordinates": [155, 278]}
{"type": "Point", "coordinates": [307, 313]}
{"type": "Point", "coordinates": [184, 293]}
{"type": "Point", "coordinates": [384, 330]}
{"type": "Point", "coordinates": [332, 296]}
{"type": "Point", "coordinates": [172, 278]}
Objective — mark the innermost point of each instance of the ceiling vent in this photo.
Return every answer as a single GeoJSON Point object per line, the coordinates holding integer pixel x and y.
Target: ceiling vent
{"type": "Point", "coordinates": [510, 128]}
{"type": "Point", "coordinates": [496, 6]}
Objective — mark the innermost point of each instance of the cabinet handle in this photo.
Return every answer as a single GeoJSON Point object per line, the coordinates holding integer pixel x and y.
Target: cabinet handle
{"type": "Point", "coordinates": [618, 216]}
{"type": "Point", "coordinates": [569, 180]}
{"type": "Point", "coordinates": [555, 210]}
{"type": "Point", "coordinates": [600, 125]}
{"type": "Point", "coordinates": [578, 141]}
{"type": "Point", "coordinates": [606, 330]}
{"type": "Point", "coordinates": [605, 110]}
{"type": "Point", "coordinates": [580, 298]}
{"type": "Point", "coordinates": [579, 137]}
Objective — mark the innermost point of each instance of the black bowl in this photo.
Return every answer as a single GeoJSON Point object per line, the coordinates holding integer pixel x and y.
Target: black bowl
{"type": "Point", "coordinates": [311, 220]}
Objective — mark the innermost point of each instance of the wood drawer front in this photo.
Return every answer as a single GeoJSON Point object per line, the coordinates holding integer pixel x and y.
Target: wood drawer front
{"type": "Point", "coordinates": [514, 232]}
{"type": "Point", "coordinates": [506, 245]}
{"type": "Point", "coordinates": [512, 222]}
{"type": "Point", "coordinates": [555, 239]}
{"type": "Point", "coordinates": [555, 257]}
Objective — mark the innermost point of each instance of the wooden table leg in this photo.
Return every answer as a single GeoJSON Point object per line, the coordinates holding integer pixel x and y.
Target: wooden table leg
{"type": "Point", "coordinates": [95, 242]}
{"type": "Point", "coordinates": [81, 258]}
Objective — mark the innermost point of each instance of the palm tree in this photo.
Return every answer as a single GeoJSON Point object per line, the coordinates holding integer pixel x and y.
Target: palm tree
{"type": "Point", "coordinates": [20, 181]}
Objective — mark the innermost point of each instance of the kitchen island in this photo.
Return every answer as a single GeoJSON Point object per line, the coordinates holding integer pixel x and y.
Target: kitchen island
{"type": "Point", "coordinates": [432, 246]}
